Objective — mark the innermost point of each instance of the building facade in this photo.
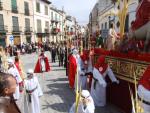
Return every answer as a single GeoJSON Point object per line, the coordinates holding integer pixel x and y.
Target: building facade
{"type": "Point", "coordinates": [105, 16]}
{"type": "Point", "coordinates": [16, 20]}
{"type": "Point", "coordinates": [57, 24]}
{"type": "Point", "coordinates": [71, 28]}
{"type": "Point", "coordinates": [41, 19]}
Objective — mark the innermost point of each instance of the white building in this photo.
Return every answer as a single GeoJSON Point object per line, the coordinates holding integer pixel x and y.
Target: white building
{"type": "Point", "coordinates": [106, 7]}
{"type": "Point", "coordinates": [57, 18]}
{"type": "Point", "coordinates": [71, 26]}
{"type": "Point", "coordinates": [16, 20]}
{"type": "Point", "coordinates": [41, 20]}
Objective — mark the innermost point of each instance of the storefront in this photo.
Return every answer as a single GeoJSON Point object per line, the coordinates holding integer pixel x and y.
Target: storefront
{"type": "Point", "coordinates": [3, 39]}
{"type": "Point", "coordinates": [28, 37]}
{"type": "Point", "coordinates": [39, 37]}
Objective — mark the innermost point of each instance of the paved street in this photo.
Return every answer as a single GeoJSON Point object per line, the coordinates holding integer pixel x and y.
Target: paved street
{"type": "Point", "coordinates": [57, 97]}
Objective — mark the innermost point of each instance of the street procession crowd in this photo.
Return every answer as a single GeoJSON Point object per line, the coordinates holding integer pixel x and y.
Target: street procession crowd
{"type": "Point", "coordinates": [15, 83]}
{"type": "Point", "coordinates": [82, 74]}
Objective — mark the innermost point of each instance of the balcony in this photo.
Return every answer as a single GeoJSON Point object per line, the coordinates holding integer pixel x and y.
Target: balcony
{"type": "Point", "coordinates": [16, 29]}
{"type": "Point", "coordinates": [26, 12]}
{"type": "Point", "coordinates": [28, 29]}
{"type": "Point", "coordinates": [3, 29]}
{"type": "Point", "coordinates": [55, 31]}
{"type": "Point", "coordinates": [46, 30]}
{"type": "Point", "coordinates": [1, 6]}
{"type": "Point", "coordinates": [14, 10]}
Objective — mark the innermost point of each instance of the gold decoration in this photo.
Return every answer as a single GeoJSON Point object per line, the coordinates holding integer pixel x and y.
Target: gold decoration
{"type": "Point", "coordinates": [125, 69]}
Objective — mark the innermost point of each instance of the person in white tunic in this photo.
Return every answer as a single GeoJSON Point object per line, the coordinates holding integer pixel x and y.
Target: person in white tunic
{"type": "Point", "coordinates": [98, 88]}
{"type": "Point", "coordinates": [86, 66]}
{"type": "Point", "coordinates": [33, 92]}
{"type": "Point", "coordinates": [13, 70]}
{"type": "Point", "coordinates": [79, 68]}
{"type": "Point", "coordinates": [144, 90]}
{"type": "Point", "coordinates": [86, 104]}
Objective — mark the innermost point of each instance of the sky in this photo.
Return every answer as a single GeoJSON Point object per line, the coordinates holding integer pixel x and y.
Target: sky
{"type": "Point", "coordinates": [76, 8]}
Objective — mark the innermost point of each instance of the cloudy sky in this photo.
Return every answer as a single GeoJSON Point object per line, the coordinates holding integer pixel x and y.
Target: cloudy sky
{"type": "Point", "coordinates": [77, 8]}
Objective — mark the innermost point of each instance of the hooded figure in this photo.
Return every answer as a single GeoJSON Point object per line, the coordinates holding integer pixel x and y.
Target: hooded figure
{"type": "Point", "coordinates": [144, 90]}
{"type": "Point", "coordinates": [98, 88]}
{"type": "Point", "coordinates": [13, 70]}
{"type": "Point", "coordinates": [86, 104]}
{"type": "Point", "coordinates": [33, 92]}
{"type": "Point", "coordinates": [86, 67]}
{"type": "Point", "coordinates": [42, 64]}
{"type": "Point", "coordinates": [72, 68]}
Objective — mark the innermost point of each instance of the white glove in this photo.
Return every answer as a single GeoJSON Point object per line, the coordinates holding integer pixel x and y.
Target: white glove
{"type": "Point", "coordinates": [117, 81]}
{"type": "Point", "coordinates": [82, 73]}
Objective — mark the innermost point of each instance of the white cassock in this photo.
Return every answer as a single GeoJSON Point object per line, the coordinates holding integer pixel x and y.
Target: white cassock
{"type": "Point", "coordinates": [34, 105]}
{"type": "Point", "coordinates": [89, 108]}
{"type": "Point", "coordinates": [83, 79]}
{"type": "Point", "coordinates": [42, 64]}
{"type": "Point", "coordinates": [98, 92]}
{"type": "Point", "coordinates": [145, 95]}
{"type": "Point", "coordinates": [15, 73]}
{"type": "Point", "coordinates": [80, 72]}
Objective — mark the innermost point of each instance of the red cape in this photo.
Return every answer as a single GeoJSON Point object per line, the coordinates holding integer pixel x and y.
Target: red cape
{"type": "Point", "coordinates": [18, 67]}
{"type": "Point", "coordinates": [38, 66]}
{"type": "Point", "coordinates": [72, 71]}
{"type": "Point", "coordinates": [142, 14]}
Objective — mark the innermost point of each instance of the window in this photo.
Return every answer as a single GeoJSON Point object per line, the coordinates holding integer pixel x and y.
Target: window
{"type": "Point", "coordinates": [105, 25]}
{"type": "Point", "coordinates": [51, 15]}
{"type": "Point", "coordinates": [46, 10]}
{"type": "Point", "coordinates": [1, 5]}
{"type": "Point", "coordinates": [27, 24]}
{"type": "Point", "coordinates": [14, 6]}
{"type": "Point", "coordinates": [102, 26]}
{"type": "Point", "coordinates": [39, 26]}
{"type": "Point", "coordinates": [26, 8]}
{"type": "Point", "coordinates": [55, 16]}
{"type": "Point", "coordinates": [15, 23]}
{"type": "Point", "coordinates": [1, 23]}
{"type": "Point", "coordinates": [46, 24]}
{"type": "Point", "coordinates": [59, 18]}
{"type": "Point", "coordinates": [37, 7]}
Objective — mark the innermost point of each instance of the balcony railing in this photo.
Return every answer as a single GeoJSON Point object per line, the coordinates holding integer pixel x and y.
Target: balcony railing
{"type": "Point", "coordinates": [46, 30]}
{"type": "Point", "coordinates": [16, 29]}
{"type": "Point", "coordinates": [1, 5]}
{"type": "Point", "coordinates": [28, 29]}
{"type": "Point", "coordinates": [55, 31]}
{"type": "Point", "coordinates": [3, 29]}
{"type": "Point", "coordinates": [26, 12]}
{"type": "Point", "coordinates": [14, 10]}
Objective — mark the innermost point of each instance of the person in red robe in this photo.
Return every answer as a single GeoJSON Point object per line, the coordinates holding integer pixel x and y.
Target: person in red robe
{"type": "Point", "coordinates": [72, 69]}
{"type": "Point", "coordinates": [42, 64]}
{"type": "Point", "coordinates": [17, 64]}
{"type": "Point", "coordinates": [144, 90]}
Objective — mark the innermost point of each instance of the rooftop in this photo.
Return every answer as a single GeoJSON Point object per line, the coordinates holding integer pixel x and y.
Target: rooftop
{"type": "Point", "coordinates": [46, 1]}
